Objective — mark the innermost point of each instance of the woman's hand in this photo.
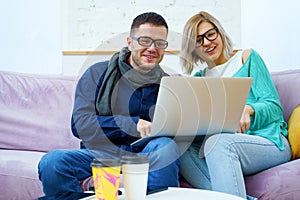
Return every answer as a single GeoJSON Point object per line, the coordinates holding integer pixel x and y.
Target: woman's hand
{"type": "Point", "coordinates": [244, 124]}
{"type": "Point", "coordinates": [144, 127]}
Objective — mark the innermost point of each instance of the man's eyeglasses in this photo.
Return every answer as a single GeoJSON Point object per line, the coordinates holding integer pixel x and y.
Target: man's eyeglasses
{"type": "Point", "coordinates": [210, 35]}
{"type": "Point", "coordinates": [147, 42]}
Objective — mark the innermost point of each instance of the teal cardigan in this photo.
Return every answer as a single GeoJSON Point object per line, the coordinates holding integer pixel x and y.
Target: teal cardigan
{"type": "Point", "coordinates": [268, 121]}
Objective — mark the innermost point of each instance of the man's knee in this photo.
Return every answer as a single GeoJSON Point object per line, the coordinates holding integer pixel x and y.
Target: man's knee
{"type": "Point", "coordinates": [164, 144]}
{"type": "Point", "coordinates": [162, 152]}
{"type": "Point", "coordinates": [50, 162]}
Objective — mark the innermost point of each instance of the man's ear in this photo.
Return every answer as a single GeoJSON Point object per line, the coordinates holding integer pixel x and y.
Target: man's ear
{"type": "Point", "coordinates": [129, 43]}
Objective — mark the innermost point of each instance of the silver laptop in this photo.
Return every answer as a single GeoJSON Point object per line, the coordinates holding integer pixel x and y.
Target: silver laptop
{"type": "Point", "coordinates": [190, 106]}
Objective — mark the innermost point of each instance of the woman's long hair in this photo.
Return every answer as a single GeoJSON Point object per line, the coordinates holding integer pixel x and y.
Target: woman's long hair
{"type": "Point", "coordinates": [189, 57]}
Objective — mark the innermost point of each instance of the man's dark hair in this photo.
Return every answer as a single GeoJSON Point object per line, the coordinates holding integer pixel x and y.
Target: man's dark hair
{"type": "Point", "coordinates": [148, 17]}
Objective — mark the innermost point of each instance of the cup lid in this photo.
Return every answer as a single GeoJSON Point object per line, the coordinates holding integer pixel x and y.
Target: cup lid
{"type": "Point", "coordinates": [106, 162]}
{"type": "Point", "coordinates": [139, 159]}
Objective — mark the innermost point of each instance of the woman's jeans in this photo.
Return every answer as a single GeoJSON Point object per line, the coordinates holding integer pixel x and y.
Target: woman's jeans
{"type": "Point", "coordinates": [227, 158]}
{"type": "Point", "coordinates": [62, 170]}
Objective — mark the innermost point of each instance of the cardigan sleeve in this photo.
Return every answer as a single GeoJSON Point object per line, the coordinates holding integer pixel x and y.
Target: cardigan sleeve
{"type": "Point", "coordinates": [265, 100]}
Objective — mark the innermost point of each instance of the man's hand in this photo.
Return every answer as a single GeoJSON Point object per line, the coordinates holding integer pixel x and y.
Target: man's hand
{"type": "Point", "coordinates": [144, 127]}
{"type": "Point", "coordinates": [245, 119]}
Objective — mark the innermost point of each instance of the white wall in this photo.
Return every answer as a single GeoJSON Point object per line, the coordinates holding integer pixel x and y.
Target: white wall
{"type": "Point", "coordinates": [89, 25]}
{"type": "Point", "coordinates": [272, 28]}
{"type": "Point", "coordinates": [31, 34]}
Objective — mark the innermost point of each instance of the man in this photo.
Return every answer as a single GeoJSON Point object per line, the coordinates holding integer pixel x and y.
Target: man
{"type": "Point", "coordinates": [113, 107]}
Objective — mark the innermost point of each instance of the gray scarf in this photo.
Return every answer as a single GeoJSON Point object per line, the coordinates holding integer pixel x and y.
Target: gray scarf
{"type": "Point", "coordinates": [118, 68]}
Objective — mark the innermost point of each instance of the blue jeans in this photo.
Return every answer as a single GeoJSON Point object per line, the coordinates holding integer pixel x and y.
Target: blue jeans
{"type": "Point", "coordinates": [226, 158]}
{"type": "Point", "coordinates": [62, 170]}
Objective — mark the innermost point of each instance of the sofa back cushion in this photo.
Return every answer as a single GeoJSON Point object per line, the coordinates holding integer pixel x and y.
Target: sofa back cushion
{"type": "Point", "coordinates": [35, 111]}
{"type": "Point", "coordinates": [288, 86]}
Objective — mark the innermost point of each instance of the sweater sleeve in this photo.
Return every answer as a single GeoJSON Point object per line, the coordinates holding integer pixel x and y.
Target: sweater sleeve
{"type": "Point", "coordinates": [265, 100]}
{"type": "Point", "coordinates": [97, 131]}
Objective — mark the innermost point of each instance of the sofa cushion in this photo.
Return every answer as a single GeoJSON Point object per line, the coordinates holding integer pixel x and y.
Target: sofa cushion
{"type": "Point", "coordinates": [294, 132]}
{"type": "Point", "coordinates": [36, 111]}
{"type": "Point", "coordinates": [287, 84]}
{"type": "Point", "coordinates": [280, 182]}
{"type": "Point", "coordinates": [19, 174]}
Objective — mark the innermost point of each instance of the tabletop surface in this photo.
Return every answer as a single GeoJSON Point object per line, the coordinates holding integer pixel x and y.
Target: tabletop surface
{"type": "Point", "coordinates": [173, 193]}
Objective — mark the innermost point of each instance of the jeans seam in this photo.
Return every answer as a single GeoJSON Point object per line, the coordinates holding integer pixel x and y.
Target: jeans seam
{"type": "Point", "coordinates": [229, 149]}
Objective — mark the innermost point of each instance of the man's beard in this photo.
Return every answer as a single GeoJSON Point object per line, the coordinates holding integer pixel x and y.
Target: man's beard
{"type": "Point", "coordinates": [143, 66]}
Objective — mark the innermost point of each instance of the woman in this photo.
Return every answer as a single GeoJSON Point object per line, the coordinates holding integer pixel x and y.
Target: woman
{"type": "Point", "coordinates": [260, 142]}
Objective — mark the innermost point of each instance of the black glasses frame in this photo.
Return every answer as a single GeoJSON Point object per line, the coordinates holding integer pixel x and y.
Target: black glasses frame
{"type": "Point", "coordinates": [156, 42]}
{"type": "Point", "coordinates": [201, 37]}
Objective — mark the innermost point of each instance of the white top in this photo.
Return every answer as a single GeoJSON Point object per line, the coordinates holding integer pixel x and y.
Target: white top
{"type": "Point", "coordinates": [227, 69]}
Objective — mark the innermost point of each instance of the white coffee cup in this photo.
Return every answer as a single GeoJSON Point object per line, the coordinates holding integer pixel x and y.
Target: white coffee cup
{"type": "Point", "coordinates": [135, 176]}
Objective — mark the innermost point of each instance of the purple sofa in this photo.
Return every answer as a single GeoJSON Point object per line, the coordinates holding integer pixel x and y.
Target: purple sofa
{"type": "Point", "coordinates": [35, 113]}
{"type": "Point", "coordinates": [283, 181]}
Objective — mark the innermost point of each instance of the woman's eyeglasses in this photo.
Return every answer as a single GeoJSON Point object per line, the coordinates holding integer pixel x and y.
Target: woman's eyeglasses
{"type": "Point", "coordinates": [147, 42]}
{"type": "Point", "coordinates": [210, 35]}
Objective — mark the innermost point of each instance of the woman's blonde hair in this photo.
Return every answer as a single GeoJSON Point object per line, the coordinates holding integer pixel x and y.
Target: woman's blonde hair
{"type": "Point", "coordinates": [189, 57]}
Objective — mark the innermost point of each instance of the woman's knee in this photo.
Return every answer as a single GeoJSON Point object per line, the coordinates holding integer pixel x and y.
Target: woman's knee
{"type": "Point", "coordinates": [217, 143]}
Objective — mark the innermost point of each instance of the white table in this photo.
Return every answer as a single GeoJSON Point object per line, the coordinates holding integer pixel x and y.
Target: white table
{"type": "Point", "coordinates": [189, 193]}
{"type": "Point", "coordinates": [184, 193]}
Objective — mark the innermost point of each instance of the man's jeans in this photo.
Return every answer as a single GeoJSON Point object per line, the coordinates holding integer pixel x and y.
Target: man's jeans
{"type": "Point", "coordinates": [62, 170]}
